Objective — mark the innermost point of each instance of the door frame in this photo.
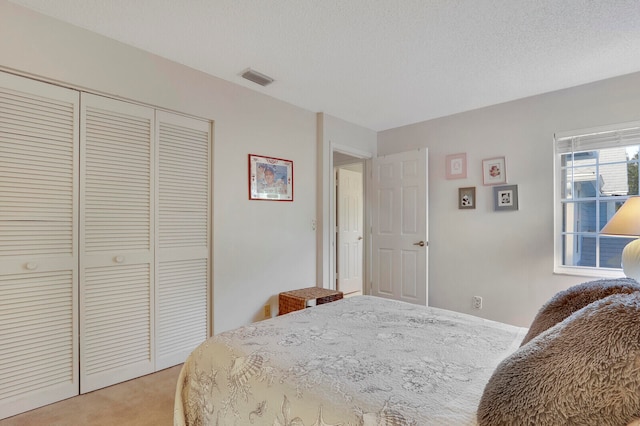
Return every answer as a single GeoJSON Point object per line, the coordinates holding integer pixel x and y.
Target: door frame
{"type": "Point", "coordinates": [365, 157]}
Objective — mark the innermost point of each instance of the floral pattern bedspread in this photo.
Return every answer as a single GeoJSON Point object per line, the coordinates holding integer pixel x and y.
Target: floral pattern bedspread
{"type": "Point", "coordinates": [358, 361]}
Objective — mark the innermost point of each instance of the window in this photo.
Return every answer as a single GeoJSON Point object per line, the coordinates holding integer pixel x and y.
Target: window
{"type": "Point", "coordinates": [596, 170]}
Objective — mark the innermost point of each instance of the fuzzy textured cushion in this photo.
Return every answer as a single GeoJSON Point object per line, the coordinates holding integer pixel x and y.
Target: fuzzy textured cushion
{"type": "Point", "coordinates": [582, 371]}
{"type": "Point", "coordinates": [574, 298]}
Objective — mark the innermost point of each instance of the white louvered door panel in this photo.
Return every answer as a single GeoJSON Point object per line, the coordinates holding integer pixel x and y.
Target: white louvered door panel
{"type": "Point", "coordinates": [183, 236]}
{"type": "Point", "coordinates": [116, 242]}
{"type": "Point", "coordinates": [38, 244]}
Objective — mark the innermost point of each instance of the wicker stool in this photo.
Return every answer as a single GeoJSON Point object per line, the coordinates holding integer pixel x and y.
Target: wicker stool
{"type": "Point", "coordinates": [296, 300]}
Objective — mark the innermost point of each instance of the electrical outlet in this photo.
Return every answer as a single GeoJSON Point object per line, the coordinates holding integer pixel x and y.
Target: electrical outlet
{"type": "Point", "coordinates": [477, 302]}
{"type": "Point", "coordinates": [267, 311]}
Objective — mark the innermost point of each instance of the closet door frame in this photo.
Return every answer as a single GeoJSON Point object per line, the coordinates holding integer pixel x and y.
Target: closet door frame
{"type": "Point", "coordinates": [78, 262]}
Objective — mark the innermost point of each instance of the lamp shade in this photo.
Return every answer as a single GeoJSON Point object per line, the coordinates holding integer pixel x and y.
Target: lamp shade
{"type": "Point", "coordinates": [626, 221]}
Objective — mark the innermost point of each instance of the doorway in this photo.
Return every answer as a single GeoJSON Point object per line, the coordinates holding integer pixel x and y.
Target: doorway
{"type": "Point", "coordinates": [349, 219]}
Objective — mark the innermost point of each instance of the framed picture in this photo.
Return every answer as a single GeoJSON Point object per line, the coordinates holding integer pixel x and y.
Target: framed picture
{"type": "Point", "coordinates": [505, 197]}
{"type": "Point", "coordinates": [270, 178]}
{"type": "Point", "coordinates": [494, 171]}
{"type": "Point", "coordinates": [456, 165]}
{"type": "Point", "coordinates": [467, 198]}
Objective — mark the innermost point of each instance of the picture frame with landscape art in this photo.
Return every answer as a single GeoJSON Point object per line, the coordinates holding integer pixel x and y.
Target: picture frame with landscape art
{"type": "Point", "coordinates": [494, 171]}
{"type": "Point", "coordinates": [270, 178]}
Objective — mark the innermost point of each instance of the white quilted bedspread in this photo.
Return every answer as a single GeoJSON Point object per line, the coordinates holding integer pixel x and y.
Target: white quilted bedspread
{"type": "Point", "coordinates": [358, 361]}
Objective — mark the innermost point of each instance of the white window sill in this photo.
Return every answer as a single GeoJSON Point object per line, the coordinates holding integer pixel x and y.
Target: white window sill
{"type": "Point", "coordinates": [589, 272]}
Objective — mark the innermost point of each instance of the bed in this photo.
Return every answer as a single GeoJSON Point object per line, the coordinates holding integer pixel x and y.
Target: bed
{"type": "Point", "coordinates": [357, 361]}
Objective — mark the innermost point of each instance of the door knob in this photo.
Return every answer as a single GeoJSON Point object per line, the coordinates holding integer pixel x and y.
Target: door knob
{"type": "Point", "coordinates": [359, 238]}
{"type": "Point", "coordinates": [421, 244]}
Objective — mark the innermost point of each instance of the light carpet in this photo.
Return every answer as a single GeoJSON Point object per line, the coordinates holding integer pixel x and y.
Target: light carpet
{"type": "Point", "coordinates": [147, 400]}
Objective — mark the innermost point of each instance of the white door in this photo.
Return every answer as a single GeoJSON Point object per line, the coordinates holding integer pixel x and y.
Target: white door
{"type": "Point", "coordinates": [350, 230]}
{"type": "Point", "coordinates": [116, 242]}
{"type": "Point", "coordinates": [38, 244]}
{"type": "Point", "coordinates": [399, 227]}
{"type": "Point", "coordinates": [183, 238]}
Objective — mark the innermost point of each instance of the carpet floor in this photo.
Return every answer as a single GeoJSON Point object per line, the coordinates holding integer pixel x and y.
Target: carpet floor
{"type": "Point", "coordinates": [147, 400]}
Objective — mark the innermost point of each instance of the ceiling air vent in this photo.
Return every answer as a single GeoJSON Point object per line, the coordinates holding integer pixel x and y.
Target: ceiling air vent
{"type": "Point", "coordinates": [256, 77]}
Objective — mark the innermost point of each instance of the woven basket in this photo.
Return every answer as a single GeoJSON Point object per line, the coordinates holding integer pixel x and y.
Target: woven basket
{"type": "Point", "coordinates": [296, 300]}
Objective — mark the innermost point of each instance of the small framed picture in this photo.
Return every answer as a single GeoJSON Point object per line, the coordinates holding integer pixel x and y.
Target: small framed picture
{"type": "Point", "coordinates": [494, 171]}
{"type": "Point", "coordinates": [270, 178]}
{"type": "Point", "coordinates": [456, 165]}
{"type": "Point", "coordinates": [505, 197]}
{"type": "Point", "coordinates": [467, 198]}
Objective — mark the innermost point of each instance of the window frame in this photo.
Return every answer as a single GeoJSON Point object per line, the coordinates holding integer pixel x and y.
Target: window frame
{"type": "Point", "coordinates": [560, 147]}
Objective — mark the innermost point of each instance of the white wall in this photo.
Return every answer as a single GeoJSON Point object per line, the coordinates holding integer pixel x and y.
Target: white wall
{"type": "Point", "coordinates": [260, 248]}
{"type": "Point", "coordinates": [505, 257]}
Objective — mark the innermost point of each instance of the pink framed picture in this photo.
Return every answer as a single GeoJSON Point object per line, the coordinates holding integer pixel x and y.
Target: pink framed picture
{"type": "Point", "coordinates": [494, 171]}
{"type": "Point", "coordinates": [456, 166]}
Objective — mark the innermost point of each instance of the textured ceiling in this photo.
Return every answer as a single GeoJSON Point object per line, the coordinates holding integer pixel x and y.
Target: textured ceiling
{"type": "Point", "coordinates": [379, 63]}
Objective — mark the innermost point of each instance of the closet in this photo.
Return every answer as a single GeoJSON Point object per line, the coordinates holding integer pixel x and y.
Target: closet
{"type": "Point", "coordinates": [104, 241]}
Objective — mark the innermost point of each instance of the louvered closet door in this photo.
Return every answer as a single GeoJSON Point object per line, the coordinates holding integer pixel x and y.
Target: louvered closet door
{"type": "Point", "coordinates": [116, 242]}
{"type": "Point", "coordinates": [38, 249]}
{"type": "Point", "coordinates": [183, 237]}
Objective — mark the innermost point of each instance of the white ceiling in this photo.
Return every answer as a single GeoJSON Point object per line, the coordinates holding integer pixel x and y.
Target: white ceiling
{"type": "Point", "coordinates": [379, 63]}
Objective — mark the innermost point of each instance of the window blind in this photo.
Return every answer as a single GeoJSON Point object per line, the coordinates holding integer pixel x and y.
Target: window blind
{"type": "Point", "coordinates": [617, 135]}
